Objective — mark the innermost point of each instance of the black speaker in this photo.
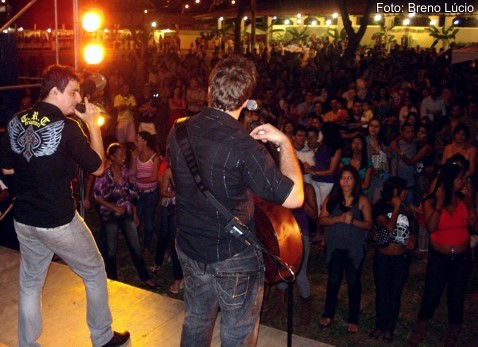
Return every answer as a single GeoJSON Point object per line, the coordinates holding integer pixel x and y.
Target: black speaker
{"type": "Point", "coordinates": [9, 99]}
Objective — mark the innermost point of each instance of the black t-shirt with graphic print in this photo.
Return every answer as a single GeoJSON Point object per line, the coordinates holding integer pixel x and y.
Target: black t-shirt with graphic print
{"type": "Point", "coordinates": [403, 227]}
{"type": "Point", "coordinates": [44, 148]}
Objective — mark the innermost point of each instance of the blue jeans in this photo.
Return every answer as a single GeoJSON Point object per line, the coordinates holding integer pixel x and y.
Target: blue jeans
{"type": "Point", "coordinates": [111, 225]}
{"type": "Point", "coordinates": [235, 286]}
{"type": "Point", "coordinates": [390, 273]}
{"type": "Point", "coordinates": [74, 243]}
{"type": "Point", "coordinates": [166, 235]}
{"type": "Point", "coordinates": [340, 262]}
{"type": "Point", "coordinates": [146, 212]}
{"type": "Point", "coordinates": [453, 272]}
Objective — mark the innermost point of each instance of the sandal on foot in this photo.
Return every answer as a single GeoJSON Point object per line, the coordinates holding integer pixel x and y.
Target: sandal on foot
{"type": "Point", "coordinates": [176, 287]}
{"type": "Point", "coordinates": [352, 328]}
{"type": "Point", "coordinates": [154, 268]}
{"type": "Point", "coordinates": [325, 322]}
{"type": "Point", "coordinates": [375, 334]}
{"type": "Point", "coordinates": [388, 336]}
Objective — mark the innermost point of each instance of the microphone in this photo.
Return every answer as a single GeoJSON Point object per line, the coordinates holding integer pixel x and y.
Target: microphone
{"type": "Point", "coordinates": [81, 107]}
{"type": "Point", "coordinates": [252, 105]}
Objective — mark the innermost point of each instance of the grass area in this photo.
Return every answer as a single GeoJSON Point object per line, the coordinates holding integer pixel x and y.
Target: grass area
{"type": "Point", "coordinates": [337, 333]}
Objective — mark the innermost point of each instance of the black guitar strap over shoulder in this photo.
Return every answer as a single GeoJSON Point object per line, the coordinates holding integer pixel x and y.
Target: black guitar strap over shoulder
{"type": "Point", "coordinates": [234, 225]}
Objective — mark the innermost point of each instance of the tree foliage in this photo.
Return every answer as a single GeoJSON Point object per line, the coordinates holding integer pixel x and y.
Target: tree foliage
{"type": "Point", "coordinates": [445, 35]}
{"type": "Point", "coordinates": [354, 38]}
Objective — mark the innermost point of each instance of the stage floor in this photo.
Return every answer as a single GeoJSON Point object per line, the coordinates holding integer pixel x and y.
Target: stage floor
{"type": "Point", "coordinates": [153, 320]}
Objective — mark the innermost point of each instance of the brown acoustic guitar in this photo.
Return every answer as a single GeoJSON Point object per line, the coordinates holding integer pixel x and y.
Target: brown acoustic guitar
{"type": "Point", "coordinates": [280, 234]}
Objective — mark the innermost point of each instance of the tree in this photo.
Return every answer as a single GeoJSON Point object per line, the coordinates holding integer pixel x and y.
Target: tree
{"type": "Point", "coordinates": [354, 37]}
{"type": "Point", "coordinates": [445, 35]}
{"type": "Point", "coordinates": [385, 36]}
{"type": "Point", "coordinates": [299, 37]}
{"type": "Point", "coordinates": [241, 9]}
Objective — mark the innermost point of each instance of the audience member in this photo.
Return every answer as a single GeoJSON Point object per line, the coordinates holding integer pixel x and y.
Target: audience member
{"type": "Point", "coordinates": [117, 194]}
{"type": "Point", "coordinates": [347, 214]}
{"type": "Point", "coordinates": [394, 238]}
{"type": "Point", "coordinates": [448, 217]}
{"type": "Point", "coordinates": [145, 164]}
{"type": "Point", "coordinates": [125, 105]}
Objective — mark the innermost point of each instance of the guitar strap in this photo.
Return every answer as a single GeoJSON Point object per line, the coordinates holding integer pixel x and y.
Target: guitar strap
{"type": "Point", "coordinates": [234, 225]}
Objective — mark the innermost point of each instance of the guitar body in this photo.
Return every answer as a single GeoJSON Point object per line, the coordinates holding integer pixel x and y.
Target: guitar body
{"type": "Point", "coordinates": [280, 234]}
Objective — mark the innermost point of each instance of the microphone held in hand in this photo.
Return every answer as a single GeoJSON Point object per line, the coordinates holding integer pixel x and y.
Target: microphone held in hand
{"type": "Point", "coordinates": [81, 107]}
{"type": "Point", "coordinates": [252, 105]}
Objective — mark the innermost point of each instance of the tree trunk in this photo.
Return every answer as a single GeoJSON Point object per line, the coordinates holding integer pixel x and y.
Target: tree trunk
{"type": "Point", "coordinates": [241, 9]}
{"type": "Point", "coordinates": [354, 37]}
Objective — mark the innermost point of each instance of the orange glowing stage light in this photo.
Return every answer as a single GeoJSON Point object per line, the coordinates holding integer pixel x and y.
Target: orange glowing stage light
{"type": "Point", "coordinates": [94, 53]}
{"type": "Point", "coordinates": [92, 20]}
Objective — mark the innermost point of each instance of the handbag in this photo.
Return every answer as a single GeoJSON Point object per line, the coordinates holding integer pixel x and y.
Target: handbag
{"type": "Point", "coordinates": [234, 226]}
{"type": "Point", "coordinates": [382, 236]}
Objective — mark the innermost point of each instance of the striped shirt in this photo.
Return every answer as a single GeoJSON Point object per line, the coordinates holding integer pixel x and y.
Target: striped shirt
{"type": "Point", "coordinates": [144, 170]}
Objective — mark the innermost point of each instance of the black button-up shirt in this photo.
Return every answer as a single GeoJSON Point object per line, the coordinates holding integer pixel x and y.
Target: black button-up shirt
{"type": "Point", "coordinates": [233, 166]}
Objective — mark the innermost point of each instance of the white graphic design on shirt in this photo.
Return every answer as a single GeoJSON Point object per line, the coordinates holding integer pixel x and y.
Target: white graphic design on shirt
{"type": "Point", "coordinates": [29, 142]}
{"type": "Point", "coordinates": [402, 230]}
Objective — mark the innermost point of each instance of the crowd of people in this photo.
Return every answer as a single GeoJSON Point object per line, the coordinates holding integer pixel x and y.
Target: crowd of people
{"type": "Point", "coordinates": [387, 144]}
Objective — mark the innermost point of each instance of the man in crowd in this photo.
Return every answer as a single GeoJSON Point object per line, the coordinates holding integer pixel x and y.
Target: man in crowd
{"type": "Point", "coordinates": [221, 272]}
{"type": "Point", "coordinates": [125, 105]}
{"type": "Point", "coordinates": [42, 147]}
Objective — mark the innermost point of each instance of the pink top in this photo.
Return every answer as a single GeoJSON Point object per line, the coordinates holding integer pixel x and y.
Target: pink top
{"type": "Point", "coordinates": [144, 170]}
{"type": "Point", "coordinates": [452, 229]}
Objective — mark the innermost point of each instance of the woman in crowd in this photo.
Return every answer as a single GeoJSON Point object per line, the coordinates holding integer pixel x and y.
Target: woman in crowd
{"type": "Point", "coordinates": [117, 194]}
{"type": "Point", "coordinates": [288, 128]}
{"type": "Point", "coordinates": [376, 152]}
{"type": "Point", "coordinates": [167, 231]}
{"type": "Point", "coordinates": [358, 158]}
{"type": "Point", "coordinates": [145, 163]}
{"type": "Point", "coordinates": [176, 106]}
{"type": "Point", "coordinates": [449, 216]}
{"type": "Point", "coordinates": [347, 214]}
{"type": "Point", "coordinates": [327, 159]}
{"type": "Point", "coordinates": [460, 145]}
{"type": "Point", "coordinates": [147, 109]}
{"type": "Point", "coordinates": [394, 238]}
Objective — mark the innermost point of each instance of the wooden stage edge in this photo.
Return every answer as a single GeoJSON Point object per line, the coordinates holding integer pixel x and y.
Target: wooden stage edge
{"type": "Point", "coordinates": [152, 319]}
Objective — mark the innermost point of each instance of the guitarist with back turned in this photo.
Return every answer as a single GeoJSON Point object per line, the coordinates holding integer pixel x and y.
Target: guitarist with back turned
{"type": "Point", "coordinates": [221, 272]}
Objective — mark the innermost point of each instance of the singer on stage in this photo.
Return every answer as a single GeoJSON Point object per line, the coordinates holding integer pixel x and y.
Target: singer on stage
{"type": "Point", "coordinates": [221, 272]}
{"type": "Point", "coordinates": [43, 148]}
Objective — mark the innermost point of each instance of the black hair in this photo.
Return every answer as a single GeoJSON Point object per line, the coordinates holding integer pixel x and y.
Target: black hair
{"type": "Point", "coordinates": [332, 138]}
{"type": "Point", "coordinates": [461, 127]}
{"type": "Point", "coordinates": [336, 196]}
{"type": "Point", "coordinates": [390, 185]}
{"type": "Point", "coordinates": [364, 154]}
{"type": "Point", "coordinates": [446, 177]}
{"type": "Point", "coordinates": [150, 141]}
{"type": "Point", "coordinates": [299, 127]}
{"type": "Point", "coordinates": [113, 148]}
{"type": "Point", "coordinates": [56, 76]}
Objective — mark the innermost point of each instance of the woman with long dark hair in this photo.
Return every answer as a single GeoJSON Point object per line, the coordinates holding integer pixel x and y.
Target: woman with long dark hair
{"type": "Point", "coordinates": [358, 158]}
{"type": "Point", "coordinates": [327, 159]}
{"type": "Point", "coordinates": [394, 239]}
{"type": "Point", "coordinates": [376, 152]}
{"type": "Point", "coordinates": [347, 214]}
{"type": "Point", "coordinates": [449, 216]}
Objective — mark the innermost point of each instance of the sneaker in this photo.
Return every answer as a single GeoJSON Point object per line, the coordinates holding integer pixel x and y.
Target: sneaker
{"type": "Point", "coordinates": [118, 339]}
